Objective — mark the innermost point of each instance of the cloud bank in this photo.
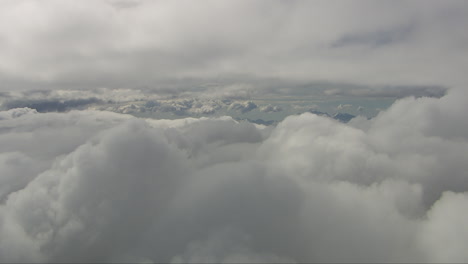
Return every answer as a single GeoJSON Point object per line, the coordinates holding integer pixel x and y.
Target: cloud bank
{"type": "Point", "coordinates": [105, 186]}
{"type": "Point", "coordinates": [99, 186]}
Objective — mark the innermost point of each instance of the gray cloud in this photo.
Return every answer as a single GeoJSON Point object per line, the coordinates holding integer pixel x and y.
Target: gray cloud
{"type": "Point", "coordinates": [243, 107]}
{"type": "Point", "coordinates": [100, 186]}
{"type": "Point", "coordinates": [122, 4]}
{"type": "Point", "coordinates": [119, 44]}
{"type": "Point", "coordinates": [396, 91]}
{"type": "Point", "coordinates": [49, 105]}
{"type": "Point", "coordinates": [375, 39]}
{"type": "Point", "coordinates": [271, 109]}
{"type": "Point", "coordinates": [343, 106]}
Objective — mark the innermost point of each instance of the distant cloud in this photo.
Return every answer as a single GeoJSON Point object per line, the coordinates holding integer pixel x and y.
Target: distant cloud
{"type": "Point", "coordinates": [50, 105]}
{"type": "Point", "coordinates": [271, 109]}
{"type": "Point", "coordinates": [343, 106]}
{"type": "Point", "coordinates": [17, 112]}
{"type": "Point", "coordinates": [243, 107]}
{"type": "Point", "coordinates": [375, 39]}
{"type": "Point", "coordinates": [396, 92]}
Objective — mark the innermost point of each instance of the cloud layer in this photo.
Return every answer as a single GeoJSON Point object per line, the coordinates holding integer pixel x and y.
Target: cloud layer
{"type": "Point", "coordinates": [112, 43]}
{"type": "Point", "coordinates": [100, 186]}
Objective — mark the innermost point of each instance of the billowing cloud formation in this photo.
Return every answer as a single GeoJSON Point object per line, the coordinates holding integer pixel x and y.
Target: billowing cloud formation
{"type": "Point", "coordinates": [99, 186]}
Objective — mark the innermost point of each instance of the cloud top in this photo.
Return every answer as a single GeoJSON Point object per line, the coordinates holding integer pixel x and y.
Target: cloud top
{"type": "Point", "coordinates": [310, 189]}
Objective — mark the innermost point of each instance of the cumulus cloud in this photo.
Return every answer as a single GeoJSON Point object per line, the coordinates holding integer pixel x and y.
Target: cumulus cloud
{"type": "Point", "coordinates": [271, 109]}
{"type": "Point", "coordinates": [243, 107]}
{"type": "Point", "coordinates": [206, 107]}
{"type": "Point", "coordinates": [99, 186]}
{"type": "Point", "coordinates": [124, 101]}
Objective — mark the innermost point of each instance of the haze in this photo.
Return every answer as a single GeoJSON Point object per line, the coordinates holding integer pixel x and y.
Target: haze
{"type": "Point", "coordinates": [233, 131]}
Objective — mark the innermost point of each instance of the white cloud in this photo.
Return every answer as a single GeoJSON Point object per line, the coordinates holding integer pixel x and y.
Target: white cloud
{"type": "Point", "coordinates": [100, 186]}
{"type": "Point", "coordinates": [96, 186]}
{"type": "Point", "coordinates": [270, 108]}
{"type": "Point", "coordinates": [444, 234]}
{"type": "Point", "coordinates": [343, 106]}
{"type": "Point", "coordinates": [16, 112]}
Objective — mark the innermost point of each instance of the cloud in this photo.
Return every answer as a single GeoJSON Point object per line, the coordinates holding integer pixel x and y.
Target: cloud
{"type": "Point", "coordinates": [396, 91]}
{"type": "Point", "coordinates": [206, 101]}
{"type": "Point", "coordinates": [375, 39]}
{"type": "Point", "coordinates": [441, 239]}
{"type": "Point", "coordinates": [343, 106]}
{"type": "Point", "coordinates": [14, 113]}
{"type": "Point", "coordinates": [51, 106]}
{"type": "Point", "coordinates": [120, 44]}
{"type": "Point", "coordinates": [243, 107]}
{"type": "Point", "coordinates": [98, 186]}
{"type": "Point", "coordinates": [225, 246]}
{"type": "Point", "coordinates": [271, 109]}
{"type": "Point", "coordinates": [125, 3]}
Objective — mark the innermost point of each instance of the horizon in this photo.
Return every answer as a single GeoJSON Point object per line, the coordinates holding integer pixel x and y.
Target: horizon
{"type": "Point", "coordinates": [233, 131]}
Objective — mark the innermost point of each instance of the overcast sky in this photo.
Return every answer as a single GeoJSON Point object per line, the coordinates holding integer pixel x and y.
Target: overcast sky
{"type": "Point", "coordinates": [133, 43]}
{"type": "Point", "coordinates": [84, 185]}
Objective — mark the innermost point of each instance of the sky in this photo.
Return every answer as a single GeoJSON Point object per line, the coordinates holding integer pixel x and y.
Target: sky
{"type": "Point", "coordinates": [207, 131]}
{"type": "Point", "coordinates": [121, 43]}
